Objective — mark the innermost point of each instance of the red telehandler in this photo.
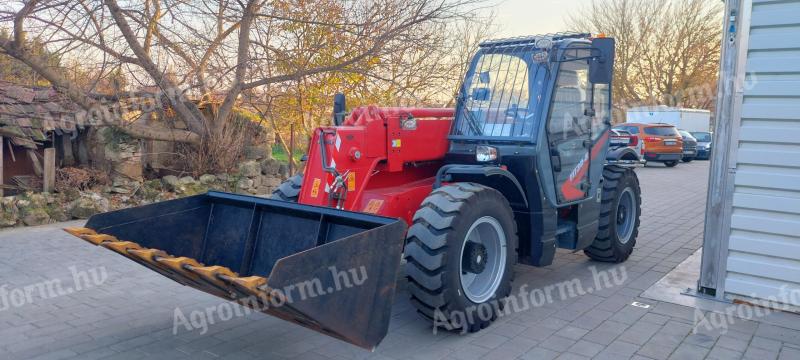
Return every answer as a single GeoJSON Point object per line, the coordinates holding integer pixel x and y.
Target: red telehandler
{"type": "Point", "coordinates": [519, 168]}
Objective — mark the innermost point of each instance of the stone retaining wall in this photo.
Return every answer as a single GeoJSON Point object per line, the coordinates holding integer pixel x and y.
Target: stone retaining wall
{"type": "Point", "coordinates": [253, 178]}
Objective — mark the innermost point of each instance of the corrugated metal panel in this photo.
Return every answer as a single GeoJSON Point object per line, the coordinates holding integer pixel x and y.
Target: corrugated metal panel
{"type": "Point", "coordinates": [764, 245]}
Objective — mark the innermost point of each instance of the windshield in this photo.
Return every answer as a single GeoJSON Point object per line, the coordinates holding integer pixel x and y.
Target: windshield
{"type": "Point", "coordinates": [702, 136]}
{"type": "Point", "coordinates": [687, 135]}
{"type": "Point", "coordinates": [495, 100]}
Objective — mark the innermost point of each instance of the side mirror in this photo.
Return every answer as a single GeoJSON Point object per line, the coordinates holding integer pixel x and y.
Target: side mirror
{"type": "Point", "coordinates": [481, 94]}
{"type": "Point", "coordinates": [339, 109]}
{"type": "Point", "coordinates": [484, 77]}
{"type": "Point", "coordinates": [601, 69]}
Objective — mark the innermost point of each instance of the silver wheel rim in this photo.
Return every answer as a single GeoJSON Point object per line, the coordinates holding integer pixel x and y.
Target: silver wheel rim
{"type": "Point", "coordinates": [480, 287]}
{"type": "Point", "coordinates": [626, 216]}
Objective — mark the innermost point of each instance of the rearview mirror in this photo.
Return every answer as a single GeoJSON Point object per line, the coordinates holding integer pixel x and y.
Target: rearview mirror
{"type": "Point", "coordinates": [481, 94]}
{"type": "Point", "coordinates": [484, 77]}
{"type": "Point", "coordinates": [339, 108]}
{"type": "Point", "coordinates": [601, 69]}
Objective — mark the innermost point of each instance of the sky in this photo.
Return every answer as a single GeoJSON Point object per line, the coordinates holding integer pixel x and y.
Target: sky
{"type": "Point", "coordinates": [532, 17]}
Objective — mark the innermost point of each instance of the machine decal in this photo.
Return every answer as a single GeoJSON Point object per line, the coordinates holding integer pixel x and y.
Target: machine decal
{"type": "Point", "coordinates": [315, 187]}
{"type": "Point", "coordinates": [571, 189]}
{"type": "Point", "coordinates": [373, 206]}
{"type": "Point", "coordinates": [351, 181]}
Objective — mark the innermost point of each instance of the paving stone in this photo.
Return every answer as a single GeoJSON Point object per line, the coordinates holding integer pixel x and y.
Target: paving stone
{"type": "Point", "coordinates": [572, 332]}
{"type": "Point", "coordinates": [733, 343]}
{"type": "Point", "coordinates": [539, 353]}
{"type": "Point", "coordinates": [655, 319]}
{"type": "Point", "coordinates": [621, 349]}
{"type": "Point", "coordinates": [657, 350]}
{"type": "Point", "coordinates": [766, 344]}
{"type": "Point", "coordinates": [759, 354]}
{"type": "Point", "coordinates": [557, 343]}
{"type": "Point", "coordinates": [703, 340]}
{"type": "Point", "coordinates": [640, 333]}
{"type": "Point", "coordinates": [721, 353]}
{"type": "Point", "coordinates": [606, 332]}
{"type": "Point", "coordinates": [586, 348]}
{"type": "Point", "coordinates": [571, 356]}
{"type": "Point", "coordinates": [490, 340]}
{"type": "Point", "coordinates": [788, 353]}
{"type": "Point", "coordinates": [689, 352]}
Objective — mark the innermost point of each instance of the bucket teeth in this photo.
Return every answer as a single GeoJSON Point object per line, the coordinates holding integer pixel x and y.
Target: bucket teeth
{"type": "Point", "coordinates": [98, 238]}
{"type": "Point", "coordinates": [178, 264]}
{"type": "Point", "coordinates": [121, 247]}
{"type": "Point", "coordinates": [149, 255]}
{"type": "Point", "coordinates": [218, 280]}
{"type": "Point", "coordinates": [250, 285]}
{"type": "Point", "coordinates": [78, 231]}
{"type": "Point", "coordinates": [212, 274]}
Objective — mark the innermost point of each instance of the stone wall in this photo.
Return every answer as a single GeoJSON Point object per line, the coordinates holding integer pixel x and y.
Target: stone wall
{"type": "Point", "coordinates": [255, 177]}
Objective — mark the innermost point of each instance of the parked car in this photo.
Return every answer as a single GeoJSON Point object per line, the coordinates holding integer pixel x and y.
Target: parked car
{"type": "Point", "coordinates": [689, 146]}
{"type": "Point", "coordinates": [625, 146]}
{"type": "Point", "coordinates": [704, 140]}
{"type": "Point", "coordinates": [660, 142]}
{"type": "Point", "coordinates": [634, 142]}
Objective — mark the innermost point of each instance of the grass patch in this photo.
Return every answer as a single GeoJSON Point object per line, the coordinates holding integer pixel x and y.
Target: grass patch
{"type": "Point", "coordinates": [278, 153]}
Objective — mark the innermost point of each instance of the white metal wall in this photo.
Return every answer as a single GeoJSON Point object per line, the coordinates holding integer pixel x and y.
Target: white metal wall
{"type": "Point", "coordinates": [764, 246]}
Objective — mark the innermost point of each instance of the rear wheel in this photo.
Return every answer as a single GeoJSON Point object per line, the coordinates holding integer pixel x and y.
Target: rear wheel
{"type": "Point", "coordinates": [289, 190]}
{"type": "Point", "coordinates": [673, 163]}
{"type": "Point", "coordinates": [460, 254]}
{"type": "Point", "coordinates": [619, 216]}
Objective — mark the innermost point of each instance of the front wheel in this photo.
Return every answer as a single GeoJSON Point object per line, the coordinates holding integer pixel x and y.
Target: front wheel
{"type": "Point", "coordinates": [460, 253]}
{"type": "Point", "coordinates": [688, 159]}
{"type": "Point", "coordinates": [619, 216]}
{"type": "Point", "coordinates": [671, 163]}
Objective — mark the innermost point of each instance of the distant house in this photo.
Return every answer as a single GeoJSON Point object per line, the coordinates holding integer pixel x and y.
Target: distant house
{"type": "Point", "coordinates": [33, 119]}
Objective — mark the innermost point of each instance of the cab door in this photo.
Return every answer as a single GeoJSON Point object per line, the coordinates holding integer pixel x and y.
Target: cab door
{"type": "Point", "coordinates": [569, 131]}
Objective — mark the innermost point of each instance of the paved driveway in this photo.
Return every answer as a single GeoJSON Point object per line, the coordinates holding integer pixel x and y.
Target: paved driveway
{"type": "Point", "coordinates": [120, 310]}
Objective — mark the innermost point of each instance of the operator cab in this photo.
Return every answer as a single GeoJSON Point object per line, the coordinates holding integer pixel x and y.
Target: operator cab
{"type": "Point", "coordinates": [532, 121]}
{"type": "Point", "coordinates": [540, 95]}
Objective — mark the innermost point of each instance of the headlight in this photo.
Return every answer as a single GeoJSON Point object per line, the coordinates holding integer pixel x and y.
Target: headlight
{"type": "Point", "coordinates": [485, 153]}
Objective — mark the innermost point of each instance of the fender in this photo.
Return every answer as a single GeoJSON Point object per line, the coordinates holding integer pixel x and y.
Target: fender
{"type": "Point", "coordinates": [492, 176]}
{"type": "Point", "coordinates": [623, 153]}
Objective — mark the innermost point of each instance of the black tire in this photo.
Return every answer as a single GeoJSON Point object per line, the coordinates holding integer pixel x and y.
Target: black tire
{"type": "Point", "coordinates": [289, 190]}
{"type": "Point", "coordinates": [433, 253]}
{"type": "Point", "coordinates": [687, 159]}
{"type": "Point", "coordinates": [608, 246]}
{"type": "Point", "coordinates": [673, 163]}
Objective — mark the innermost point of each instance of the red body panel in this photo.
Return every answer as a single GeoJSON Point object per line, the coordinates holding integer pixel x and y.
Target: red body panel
{"type": "Point", "coordinates": [388, 168]}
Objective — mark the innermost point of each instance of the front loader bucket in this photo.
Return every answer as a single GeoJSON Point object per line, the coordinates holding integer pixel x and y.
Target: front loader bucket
{"type": "Point", "coordinates": [329, 270]}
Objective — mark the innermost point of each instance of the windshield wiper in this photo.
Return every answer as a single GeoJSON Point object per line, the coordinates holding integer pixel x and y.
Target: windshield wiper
{"type": "Point", "coordinates": [473, 123]}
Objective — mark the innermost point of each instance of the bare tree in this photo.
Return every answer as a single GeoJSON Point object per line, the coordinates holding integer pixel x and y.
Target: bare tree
{"type": "Point", "coordinates": [667, 50]}
{"type": "Point", "coordinates": [216, 49]}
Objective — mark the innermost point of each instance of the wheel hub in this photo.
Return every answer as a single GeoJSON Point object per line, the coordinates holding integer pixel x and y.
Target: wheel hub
{"type": "Point", "coordinates": [483, 259]}
{"type": "Point", "coordinates": [475, 256]}
{"type": "Point", "coordinates": [626, 215]}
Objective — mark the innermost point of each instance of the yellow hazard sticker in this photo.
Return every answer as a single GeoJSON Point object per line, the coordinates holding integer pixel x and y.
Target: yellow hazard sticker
{"type": "Point", "coordinates": [373, 206]}
{"type": "Point", "coordinates": [315, 187]}
{"type": "Point", "coordinates": [351, 181]}
{"type": "Point", "coordinates": [396, 143]}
